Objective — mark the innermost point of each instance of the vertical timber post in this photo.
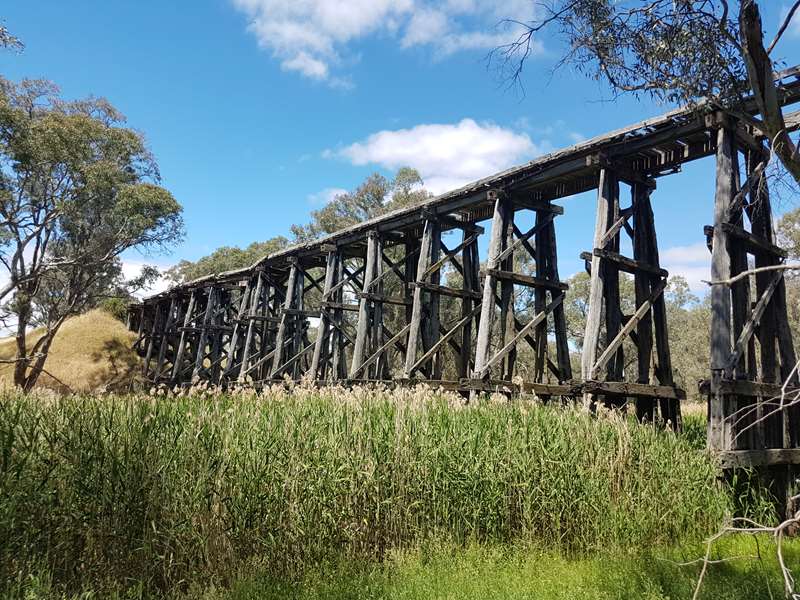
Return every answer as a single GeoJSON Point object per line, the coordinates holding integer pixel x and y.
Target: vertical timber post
{"type": "Point", "coordinates": [252, 313]}
{"type": "Point", "coordinates": [200, 353]}
{"type": "Point", "coordinates": [721, 343]}
{"type": "Point", "coordinates": [415, 330]}
{"type": "Point", "coordinates": [365, 309]}
{"type": "Point", "coordinates": [645, 407]}
{"type": "Point", "coordinates": [178, 368]}
{"type": "Point", "coordinates": [322, 343]}
{"type": "Point", "coordinates": [288, 306]}
{"type": "Point", "coordinates": [499, 219]}
{"type": "Point", "coordinates": [607, 191]}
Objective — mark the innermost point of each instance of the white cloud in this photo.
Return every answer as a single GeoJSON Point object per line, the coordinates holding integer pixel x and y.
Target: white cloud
{"type": "Point", "coordinates": [307, 65]}
{"type": "Point", "coordinates": [323, 197]}
{"type": "Point", "coordinates": [692, 262]}
{"type": "Point", "coordinates": [694, 253]}
{"type": "Point", "coordinates": [312, 37]}
{"type": "Point", "coordinates": [447, 156]}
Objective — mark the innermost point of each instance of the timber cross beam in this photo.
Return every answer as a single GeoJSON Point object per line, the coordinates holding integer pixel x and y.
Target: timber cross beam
{"type": "Point", "coordinates": [463, 291]}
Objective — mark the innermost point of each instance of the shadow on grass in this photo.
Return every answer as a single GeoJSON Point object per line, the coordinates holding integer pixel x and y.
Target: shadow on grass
{"type": "Point", "coordinates": [122, 371]}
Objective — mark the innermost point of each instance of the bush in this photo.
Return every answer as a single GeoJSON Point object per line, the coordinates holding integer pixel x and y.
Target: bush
{"type": "Point", "coordinates": [116, 307]}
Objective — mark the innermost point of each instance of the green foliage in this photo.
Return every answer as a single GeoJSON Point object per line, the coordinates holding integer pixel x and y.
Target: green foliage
{"type": "Point", "coordinates": [376, 196]}
{"type": "Point", "coordinates": [99, 491]}
{"type": "Point", "coordinates": [674, 51]}
{"type": "Point", "coordinates": [116, 307]}
{"type": "Point", "coordinates": [688, 318]}
{"type": "Point", "coordinates": [788, 229]}
{"type": "Point", "coordinates": [509, 573]}
{"type": "Point", "coordinates": [9, 41]}
{"type": "Point", "coordinates": [679, 51]}
{"type": "Point", "coordinates": [78, 189]}
{"type": "Point", "coordinates": [227, 258]}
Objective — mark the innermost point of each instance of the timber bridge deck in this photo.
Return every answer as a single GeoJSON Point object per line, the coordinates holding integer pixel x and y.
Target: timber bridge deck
{"type": "Point", "coordinates": [388, 301]}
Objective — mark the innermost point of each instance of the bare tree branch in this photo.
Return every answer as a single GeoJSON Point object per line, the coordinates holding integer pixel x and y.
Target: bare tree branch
{"type": "Point", "coordinates": [783, 27]}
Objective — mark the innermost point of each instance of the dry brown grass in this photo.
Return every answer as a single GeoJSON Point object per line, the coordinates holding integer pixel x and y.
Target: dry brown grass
{"type": "Point", "coordinates": [90, 353]}
{"type": "Point", "coordinates": [691, 407]}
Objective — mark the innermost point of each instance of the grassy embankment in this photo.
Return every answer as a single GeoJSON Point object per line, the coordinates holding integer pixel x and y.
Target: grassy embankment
{"type": "Point", "coordinates": [353, 494]}
{"type": "Point", "coordinates": [91, 352]}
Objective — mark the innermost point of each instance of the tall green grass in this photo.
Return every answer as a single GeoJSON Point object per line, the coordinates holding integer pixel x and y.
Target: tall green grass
{"type": "Point", "coordinates": [750, 571]}
{"type": "Point", "coordinates": [164, 491]}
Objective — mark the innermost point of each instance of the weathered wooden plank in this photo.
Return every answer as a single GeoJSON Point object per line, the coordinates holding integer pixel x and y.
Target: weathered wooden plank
{"type": "Point", "coordinates": [752, 243]}
{"type": "Point", "coordinates": [165, 338]}
{"type": "Point", "coordinates": [627, 388]}
{"type": "Point", "coordinates": [380, 298]}
{"type": "Point", "coordinates": [754, 319]}
{"type": "Point", "coordinates": [612, 233]}
{"type": "Point", "coordinates": [431, 325]}
{"type": "Point", "coordinates": [730, 459]}
{"type": "Point", "coordinates": [501, 207]}
{"type": "Point", "coordinates": [292, 360]}
{"type": "Point", "coordinates": [178, 367]}
{"type": "Point", "coordinates": [364, 325]}
{"type": "Point", "coordinates": [449, 254]}
{"type": "Point", "coordinates": [559, 316]}
{"type": "Point", "coordinates": [629, 265]}
{"type": "Point", "coordinates": [415, 329]}
{"type": "Point", "coordinates": [609, 272]}
{"type": "Point", "coordinates": [526, 280]}
{"type": "Point", "coordinates": [321, 345]}
{"type": "Point", "coordinates": [513, 342]}
{"type": "Point", "coordinates": [541, 257]}
{"type": "Point", "coordinates": [643, 309]}
{"type": "Point", "coordinates": [200, 354]}
{"type": "Point", "coordinates": [380, 367]}
{"type": "Point", "coordinates": [380, 351]}
{"type": "Point", "coordinates": [464, 321]}
{"type": "Point", "coordinates": [299, 324]}
{"type": "Point", "coordinates": [721, 340]}
{"type": "Point", "coordinates": [528, 387]}
{"type": "Point", "coordinates": [525, 201]}
{"type": "Point", "coordinates": [236, 335]}
{"type": "Point", "coordinates": [642, 288]}
{"type": "Point", "coordinates": [605, 194]}
{"type": "Point", "coordinates": [541, 223]}
{"type": "Point", "coordinates": [291, 290]}
{"type": "Point", "coordinates": [471, 282]}
{"type": "Point", "coordinates": [670, 408]}
{"type": "Point", "coordinates": [447, 291]}
{"type": "Point", "coordinates": [743, 387]}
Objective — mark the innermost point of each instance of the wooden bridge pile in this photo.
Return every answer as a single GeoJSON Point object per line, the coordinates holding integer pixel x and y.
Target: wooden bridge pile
{"type": "Point", "coordinates": [407, 298]}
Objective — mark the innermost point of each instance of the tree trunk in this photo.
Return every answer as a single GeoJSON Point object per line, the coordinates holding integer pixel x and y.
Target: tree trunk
{"type": "Point", "coordinates": [759, 71]}
{"type": "Point", "coordinates": [42, 348]}
{"type": "Point", "coordinates": [23, 310]}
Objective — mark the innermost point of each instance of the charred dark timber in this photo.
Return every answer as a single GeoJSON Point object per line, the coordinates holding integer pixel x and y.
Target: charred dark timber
{"type": "Point", "coordinates": [407, 298]}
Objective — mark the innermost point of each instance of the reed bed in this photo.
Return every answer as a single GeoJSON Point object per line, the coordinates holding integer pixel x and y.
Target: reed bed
{"type": "Point", "coordinates": [166, 490]}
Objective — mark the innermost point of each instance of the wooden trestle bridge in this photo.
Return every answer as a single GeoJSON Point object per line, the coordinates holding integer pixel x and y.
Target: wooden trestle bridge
{"type": "Point", "coordinates": [388, 301]}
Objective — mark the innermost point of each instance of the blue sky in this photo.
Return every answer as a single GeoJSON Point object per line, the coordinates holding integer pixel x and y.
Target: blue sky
{"type": "Point", "coordinates": [258, 109]}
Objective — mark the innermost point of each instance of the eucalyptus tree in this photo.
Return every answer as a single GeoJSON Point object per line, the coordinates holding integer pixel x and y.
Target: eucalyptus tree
{"type": "Point", "coordinates": [9, 40]}
{"type": "Point", "coordinates": [77, 189]}
{"type": "Point", "coordinates": [672, 50]}
{"type": "Point", "coordinates": [375, 196]}
{"type": "Point", "coordinates": [225, 258]}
